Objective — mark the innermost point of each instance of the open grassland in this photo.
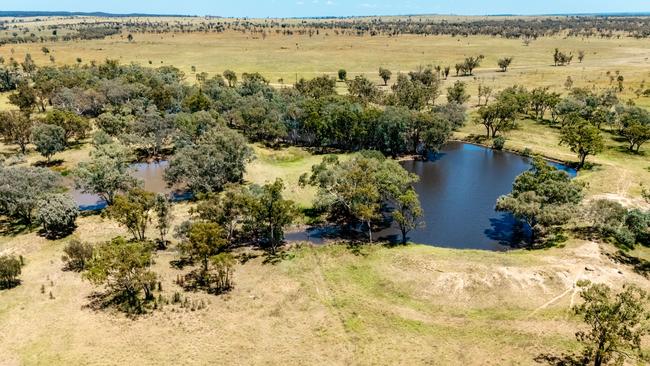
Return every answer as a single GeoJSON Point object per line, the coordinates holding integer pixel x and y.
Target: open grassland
{"type": "Point", "coordinates": [615, 173]}
{"type": "Point", "coordinates": [283, 59]}
{"type": "Point", "coordinates": [333, 304]}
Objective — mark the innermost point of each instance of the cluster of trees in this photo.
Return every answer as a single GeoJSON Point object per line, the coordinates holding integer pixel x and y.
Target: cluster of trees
{"type": "Point", "coordinates": [611, 221]}
{"type": "Point", "coordinates": [154, 112]}
{"type": "Point", "coordinates": [34, 195]}
{"type": "Point", "coordinates": [73, 32]}
{"type": "Point", "coordinates": [581, 26]}
{"type": "Point", "coordinates": [561, 59]}
{"type": "Point", "coordinates": [528, 29]}
{"type": "Point", "coordinates": [221, 221]}
{"type": "Point", "coordinates": [507, 28]}
{"type": "Point", "coordinates": [357, 192]}
{"type": "Point", "coordinates": [467, 67]}
{"type": "Point", "coordinates": [581, 115]}
{"type": "Point", "coordinates": [544, 198]}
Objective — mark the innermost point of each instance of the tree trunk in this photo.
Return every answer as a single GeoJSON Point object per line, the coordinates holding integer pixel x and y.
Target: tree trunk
{"type": "Point", "coordinates": [583, 157]}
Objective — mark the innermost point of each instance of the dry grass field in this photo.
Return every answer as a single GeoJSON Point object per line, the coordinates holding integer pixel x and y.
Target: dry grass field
{"type": "Point", "coordinates": [336, 304]}
{"type": "Point", "coordinates": [333, 305]}
{"type": "Point", "coordinates": [283, 59]}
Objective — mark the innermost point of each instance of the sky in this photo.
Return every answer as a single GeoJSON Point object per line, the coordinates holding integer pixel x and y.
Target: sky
{"type": "Point", "coordinates": [311, 8]}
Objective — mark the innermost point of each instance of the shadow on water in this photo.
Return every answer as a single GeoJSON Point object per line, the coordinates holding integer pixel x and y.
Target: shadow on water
{"type": "Point", "coordinates": [458, 189]}
{"type": "Point", "coordinates": [152, 176]}
{"type": "Point", "coordinates": [508, 231]}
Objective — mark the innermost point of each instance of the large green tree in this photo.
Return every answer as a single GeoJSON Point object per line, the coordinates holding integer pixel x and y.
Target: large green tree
{"type": "Point", "coordinates": [16, 128]}
{"type": "Point", "coordinates": [133, 211]}
{"type": "Point", "coordinates": [616, 323]}
{"type": "Point", "coordinates": [57, 214]}
{"type": "Point", "coordinates": [363, 89]}
{"type": "Point", "coordinates": [354, 191]}
{"type": "Point", "coordinates": [107, 173]}
{"type": "Point", "coordinates": [123, 268]}
{"type": "Point", "coordinates": [204, 240]}
{"type": "Point", "coordinates": [49, 140]}
{"type": "Point", "coordinates": [408, 212]}
{"type": "Point", "coordinates": [583, 138]}
{"type": "Point", "coordinates": [219, 157]}
{"type": "Point", "coordinates": [22, 188]}
{"type": "Point", "coordinates": [10, 269]}
{"type": "Point", "coordinates": [543, 197]}
{"type": "Point", "coordinates": [271, 214]}
{"type": "Point", "coordinates": [76, 127]}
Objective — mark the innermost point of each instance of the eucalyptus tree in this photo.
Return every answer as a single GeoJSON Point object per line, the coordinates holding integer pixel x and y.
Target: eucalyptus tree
{"type": "Point", "coordinates": [107, 172]}
{"type": "Point", "coordinates": [543, 197]}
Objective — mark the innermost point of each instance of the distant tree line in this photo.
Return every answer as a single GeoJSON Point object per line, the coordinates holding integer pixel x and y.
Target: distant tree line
{"type": "Point", "coordinates": [509, 27]}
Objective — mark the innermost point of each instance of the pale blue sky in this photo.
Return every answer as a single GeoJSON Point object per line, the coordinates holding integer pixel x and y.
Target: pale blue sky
{"type": "Point", "coordinates": [296, 8]}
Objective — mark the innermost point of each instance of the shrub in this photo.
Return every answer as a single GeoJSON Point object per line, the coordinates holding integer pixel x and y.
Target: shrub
{"type": "Point", "coordinates": [9, 271]}
{"type": "Point", "coordinates": [498, 143]}
{"type": "Point", "coordinates": [123, 268]}
{"type": "Point", "coordinates": [57, 214]}
{"type": "Point", "coordinates": [343, 75]}
{"type": "Point", "coordinates": [222, 265]}
{"type": "Point", "coordinates": [77, 254]}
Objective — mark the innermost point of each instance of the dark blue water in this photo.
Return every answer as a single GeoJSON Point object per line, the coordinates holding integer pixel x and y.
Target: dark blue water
{"type": "Point", "coordinates": [458, 191]}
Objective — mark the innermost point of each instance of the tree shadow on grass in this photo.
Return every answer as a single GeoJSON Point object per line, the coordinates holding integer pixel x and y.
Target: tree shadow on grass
{"type": "Point", "coordinates": [624, 149]}
{"type": "Point", "coordinates": [277, 257]}
{"type": "Point", "coordinates": [512, 233]}
{"type": "Point", "coordinates": [131, 307]}
{"type": "Point", "coordinates": [639, 265]}
{"type": "Point", "coordinates": [8, 285]}
{"type": "Point", "coordinates": [477, 139]}
{"type": "Point", "coordinates": [48, 164]}
{"type": "Point", "coordinates": [9, 227]}
{"type": "Point", "coordinates": [561, 360]}
{"type": "Point", "coordinates": [196, 280]}
{"type": "Point", "coordinates": [181, 263]}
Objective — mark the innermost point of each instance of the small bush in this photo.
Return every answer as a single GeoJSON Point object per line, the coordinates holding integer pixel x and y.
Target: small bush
{"type": "Point", "coordinates": [15, 160]}
{"type": "Point", "coordinates": [498, 143]}
{"type": "Point", "coordinates": [10, 268]}
{"type": "Point", "coordinates": [77, 254]}
{"type": "Point", "coordinates": [223, 270]}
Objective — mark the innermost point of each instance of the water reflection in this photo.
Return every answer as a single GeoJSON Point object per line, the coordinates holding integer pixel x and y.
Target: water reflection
{"type": "Point", "coordinates": [151, 175]}
{"type": "Point", "coordinates": [458, 190]}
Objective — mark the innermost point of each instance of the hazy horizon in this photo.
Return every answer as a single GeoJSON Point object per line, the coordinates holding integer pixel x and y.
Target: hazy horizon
{"type": "Point", "coordinates": [332, 8]}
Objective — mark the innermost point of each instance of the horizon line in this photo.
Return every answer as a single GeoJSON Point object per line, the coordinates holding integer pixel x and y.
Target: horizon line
{"type": "Point", "coordinates": [36, 13]}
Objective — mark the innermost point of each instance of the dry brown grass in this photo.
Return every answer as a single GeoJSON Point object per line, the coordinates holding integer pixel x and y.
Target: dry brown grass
{"type": "Point", "coordinates": [291, 57]}
{"type": "Point", "coordinates": [333, 305]}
